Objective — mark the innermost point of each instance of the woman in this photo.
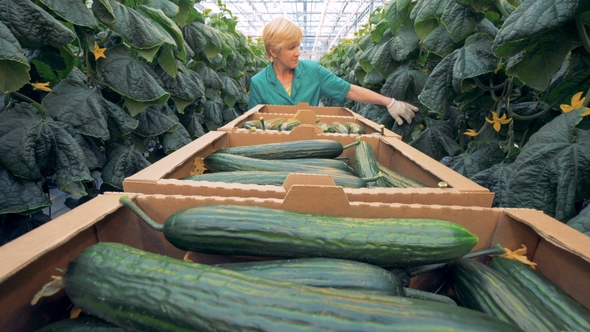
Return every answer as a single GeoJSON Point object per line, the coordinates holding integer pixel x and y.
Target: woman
{"type": "Point", "coordinates": [288, 80]}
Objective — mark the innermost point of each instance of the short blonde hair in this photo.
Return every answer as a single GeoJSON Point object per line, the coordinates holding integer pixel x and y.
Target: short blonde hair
{"type": "Point", "coordinates": [280, 32]}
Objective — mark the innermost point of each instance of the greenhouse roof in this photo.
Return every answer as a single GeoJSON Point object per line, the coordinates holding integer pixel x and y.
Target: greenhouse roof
{"type": "Point", "coordinates": [324, 22]}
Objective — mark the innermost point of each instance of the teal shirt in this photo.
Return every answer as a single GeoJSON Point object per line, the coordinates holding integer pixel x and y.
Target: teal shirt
{"type": "Point", "coordinates": [310, 82]}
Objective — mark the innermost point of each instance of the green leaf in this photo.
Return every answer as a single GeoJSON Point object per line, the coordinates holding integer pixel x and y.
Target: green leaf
{"type": "Point", "coordinates": [230, 86]}
{"type": "Point", "coordinates": [439, 42]}
{"type": "Point", "coordinates": [14, 66]}
{"type": "Point", "coordinates": [185, 7]}
{"type": "Point", "coordinates": [496, 179]}
{"type": "Point", "coordinates": [212, 112]}
{"type": "Point", "coordinates": [194, 38]}
{"type": "Point", "coordinates": [404, 43]}
{"type": "Point", "coordinates": [404, 83]}
{"type": "Point", "coordinates": [426, 10]}
{"type": "Point", "coordinates": [186, 85]}
{"type": "Point", "coordinates": [137, 30]}
{"type": "Point", "coordinates": [31, 151]}
{"type": "Point", "coordinates": [167, 61]}
{"type": "Point", "coordinates": [19, 195]}
{"type": "Point", "coordinates": [540, 60]}
{"type": "Point", "coordinates": [475, 58]}
{"type": "Point", "coordinates": [154, 121]}
{"type": "Point", "coordinates": [550, 173]}
{"type": "Point", "coordinates": [170, 26]}
{"type": "Point", "coordinates": [169, 8]}
{"type": "Point", "coordinates": [382, 61]}
{"type": "Point", "coordinates": [581, 222]}
{"type": "Point", "coordinates": [94, 157]}
{"type": "Point", "coordinates": [214, 45]}
{"type": "Point", "coordinates": [438, 93]}
{"type": "Point", "coordinates": [378, 30]}
{"type": "Point", "coordinates": [129, 77]}
{"type": "Point", "coordinates": [437, 141]}
{"type": "Point", "coordinates": [193, 121]}
{"type": "Point", "coordinates": [208, 76]}
{"type": "Point", "coordinates": [532, 18]}
{"type": "Point", "coordinates": [396, 15]}
{"type": "Point", "coordinates": [367, 57]}
{"type": "Point", "coordinates": [478, 157]}
{"type": "Point", "coordinates": [122, 162]}
{"type": "Point", "coordinates": [73, 11]}
{"type": "Point", "coordinates": [460, 20]}
{"type": "Point", "coordinates": [32, 26]}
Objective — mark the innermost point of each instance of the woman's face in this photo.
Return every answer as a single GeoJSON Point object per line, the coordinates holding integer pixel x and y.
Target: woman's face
{"type": "Point", "coordinates": [288, 56]}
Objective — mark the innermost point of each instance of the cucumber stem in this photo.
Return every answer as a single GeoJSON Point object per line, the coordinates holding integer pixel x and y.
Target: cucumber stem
{"type": "Point", "coordinates": [149, 221]}
{"type": "Point", "coordinates": [374, 178]}
{"type": "Point", "coordinates": [355, 143]}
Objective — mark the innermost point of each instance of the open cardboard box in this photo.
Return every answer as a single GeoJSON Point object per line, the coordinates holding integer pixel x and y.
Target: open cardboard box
{"type": "Point", "coordinates": [562, 254]}
{"type": "Point", "coordinates": [164, 176]}
{"type": "Point", "coordinates": [308, 117]}
{"type": "Point", "coordinates": [290, 109]}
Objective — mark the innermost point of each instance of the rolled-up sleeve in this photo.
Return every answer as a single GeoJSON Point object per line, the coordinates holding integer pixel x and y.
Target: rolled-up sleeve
{"type": "Point", "coordinates": [332, 86]}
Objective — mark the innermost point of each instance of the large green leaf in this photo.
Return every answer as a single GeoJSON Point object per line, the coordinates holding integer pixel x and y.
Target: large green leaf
{"type": "Point", "coordinates": [212, 112]}
{"type": "Point", "coordinates": [496, 179]}
{"type": "Point", "coordinates": [130, 77]}
{"type": "Point", "coordinates": [404, 42]}
{"type": "Point", "coordinates": [438, 93]}
{"type": "Point", "coordinates": [551, 172]}
{"type": "Point", "coordinates": [539, 62]}
{"type": "Point", "coordinates": [213, 36]}
{"type": "Point", "coordinates": [40, 148]}
{"type": "Point", "coordinates": [177, 136]}
{"type": "Point", "coordinates": [426, 15]}
{"type": "Point", "coordinates": [532, 18]}
{"type": "Point", "coordinates": [439, 42]}
{"type": "Point", "coordinates": [383, 61]}
{"type": "Point", "coordinates": [208, 76]}
{"type": "Point", "coordinates": [396, 15]}
{"type": "Point", "coordinates": [193, 121]}
{"type": "Point", "coordinates": [581, 222]}
{"type": "Point", "coordinates": [19, 195]}
{"type": "Point", "coordinates": [73, 11]}
{"type": "Point", "coordinates": [122, 162]}
{"type": "Point", "coordinates": [14, 66]}
{"type": "Point", "coordinates": [460, 20]}
{"type": "Point", "coordinates": [154, 121]}
{"type": "Point", "coordinates": [478, 157]}
{"type": "Point", "coordinates": [194, 38]}
{"type": "Point", "coordinates": [186, 86]}
{"type": "Point", "coordinates": [404, 82]}
{"type": "Point", "coordinates": [137, 30]}
{"type": "Point", "coordinates": [170, 26]}
{"type": "Point", "coordinates": [169, 8]}
{"type": "Point", "coordinates": [437, 140]}
{"type": "Point", "coordinates": [475, 58]}
{"type": "Point", "coordinates": [32, 26]}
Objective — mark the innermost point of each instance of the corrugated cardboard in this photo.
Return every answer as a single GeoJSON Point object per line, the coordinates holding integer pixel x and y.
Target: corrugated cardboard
{"type": "Point", "coordinates": [163, 177]}
{"type": "Point", "coordinates": [562, 254]}
{"type": "Point", "coordinates": [318, 110]}
{"type": "Point", "coordinates": [308, 117]}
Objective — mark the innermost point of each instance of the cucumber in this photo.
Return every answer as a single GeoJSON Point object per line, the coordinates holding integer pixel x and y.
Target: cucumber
{"type": "Point", "coordinates": [324, 162]}
{"type": "Point", "coordinates": [354, 128]}
{"type": "Point", "coordinates": [312, 148]}
{"type": "Point", "coordinates": [338, 128]}
{"type": "Point", "coordinates": [252, 124]}
{"type": "Point", "coordinates": [259, 231]}
{"type": "Point", "coordinates": [428, 296]}
{"type": "Point", "coordinates": [365, 164]}
{"type": "Point", "coordinates": [271, 178]}
{"type": "Point", "coordinates": [324, 272]}
{"type": "Point", "coordinates": [574, 315]}
{"type": "Point", "coordinates": [274, 124]}
{"type": "Point", "coordinates": [396, 180]}
{"type": "Point", "coordinates": [290, 124]}
{"type": "Point", "coordinates": [144, 291]}
{"type": "Point", "coordinates": [226, 162]}
{"type": "Point", "coordinates": [479, 287]}
{"type": "Point", "coordinates": [82, 324]}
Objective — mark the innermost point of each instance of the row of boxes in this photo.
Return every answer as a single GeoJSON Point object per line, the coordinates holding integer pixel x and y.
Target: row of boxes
{"type": "Point", "coordinates": [562, 254]}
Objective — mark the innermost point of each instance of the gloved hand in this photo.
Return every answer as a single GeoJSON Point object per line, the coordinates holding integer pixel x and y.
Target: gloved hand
{"type": "Point", "coordinates": [399, 109]}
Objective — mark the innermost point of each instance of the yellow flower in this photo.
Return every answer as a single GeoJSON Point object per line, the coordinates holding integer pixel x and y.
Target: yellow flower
{"type": "Point", "coordinates": [98, 52]}
{"type": "Point", "coordinates": [42, 86]}
{"type": "Point", "coordinates": [576, 103]}
{"type": "Point", "coordinates": [470, 132]}
{"type": "Point", "coordinates": [497, 122]}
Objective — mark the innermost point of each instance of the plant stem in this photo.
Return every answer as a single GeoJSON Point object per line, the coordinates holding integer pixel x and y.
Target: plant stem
{"type": "Point", "coordinates": [501, 8]}
{"type": "Point", "coordinates": [582, 33]}
{"type": "Point", "coordinates": [149, 221]}
{"type": "Point", "coordinates": [67, 49]}
{"type": "Point", "coordinates": [23, 97]}
{"type": "Point", "coordinates": [488, 88]}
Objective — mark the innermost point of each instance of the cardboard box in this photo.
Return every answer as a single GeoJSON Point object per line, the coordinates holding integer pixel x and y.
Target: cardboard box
{"type": "Point", "coordinates": [318, 110]}
{"type": "Point", "coordinates": [163, 177]}
{"type": "Point", "coordinates": [562, 254]}
{"type": "Point", "coordinates": [308, 117]}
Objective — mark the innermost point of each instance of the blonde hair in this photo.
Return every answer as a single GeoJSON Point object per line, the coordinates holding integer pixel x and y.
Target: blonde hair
{"type": "Point", "coordinates": [280, 32]}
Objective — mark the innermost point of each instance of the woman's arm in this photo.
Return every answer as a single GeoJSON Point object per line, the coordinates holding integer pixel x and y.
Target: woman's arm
{"type": "Point", "coordinates": [397, 109]}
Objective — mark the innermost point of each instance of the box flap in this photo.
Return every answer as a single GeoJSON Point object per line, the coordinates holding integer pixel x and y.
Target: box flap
{"type": "Point", "coordinates": [555, 232]}
{"type": "Point", "coordinates": [315, 199]}
{"type": "Point", "coordinates": [303, 178]}
{"type": "Point", "coordinates": [306, 116]}
{"type": "Point", "coordinates": [54, 233]}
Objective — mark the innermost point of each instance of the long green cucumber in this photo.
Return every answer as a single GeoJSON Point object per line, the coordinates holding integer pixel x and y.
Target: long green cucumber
{"type": "Point", "coordinates": [479, 287]}
{"type": "Point", "coordinates": [144, 291]}
{"type": "Point", "coordinates": [312, 148]}
{"type": "Point", "coordinates": [272, 178]}
{"type": "Point", "coordinates": [227, 162]}
{"type": "Point", "coordinates": [324, 162]}
{"type": "Point", "coordinates": [423, 295]}
{"type": "Point", "coordinates": [365, 164]}
{"type": "Point", "coordinates": [259, 231]}
{"type": "Point", "coordinates": [396, 180]}
{"type": "Point", "coordinates": [354, 128]}
{"type": "Point", "coordinates": [324, 272]}
{"type": "Point", "coordinates": [574, 315]}
{"type": "Point", "coordinates": [82, 324]}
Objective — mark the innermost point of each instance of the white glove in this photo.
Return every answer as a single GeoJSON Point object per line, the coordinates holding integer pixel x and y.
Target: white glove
{"type": "Point", "coordinates": [399, 109]}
